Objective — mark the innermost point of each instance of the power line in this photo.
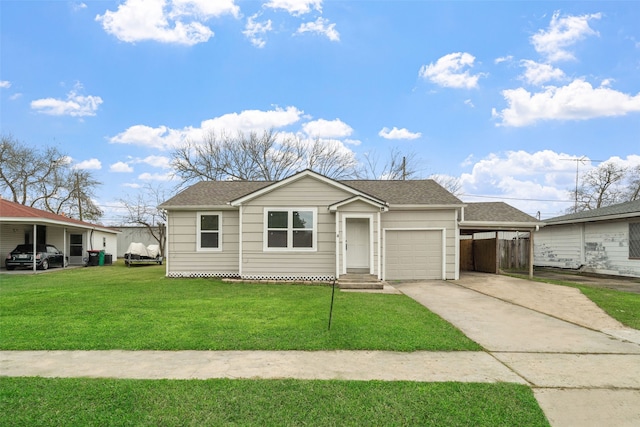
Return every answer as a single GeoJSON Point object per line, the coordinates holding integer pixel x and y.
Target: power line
{"type": "Point", "coordinates": [516, 198]}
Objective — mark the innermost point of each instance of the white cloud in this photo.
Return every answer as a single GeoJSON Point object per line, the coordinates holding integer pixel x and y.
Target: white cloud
{"type": "Point", "coordinates": [89, 164]}
{"type": "Point", "coordinates": [469, 103]}
{"type": "Point", "coordinates": [322, 128]}
{"type": "Point", "coordinates": [502, 59]}
{"type": "Point", "coordinates": [255, 30]}
{"type": "Point", "coordinates": [254, 120]}
{"type": "Point", "coordinates": [161, 138]}
{"type": "Point", "coordinates": [158, 161]}
{"type": "Point", "coordinates": [5, 84]}
{"type": "Point", "coordinates": [448, 71]}
{"type": "Point", "coordinates": [563, 32]}
{"type": "Point", "coordinates": [296, 7]}
{"type": "Point", "coordinates": [74, 105]}
{"type": "Point", "coordinates": [120, 167]}
{"type": "Point", "coordinates": [165, 138]}
{"type": "Point", "coordinates": [542, 181]}
{"type": "Point", "coordinates": [78, 6]}
{"type": "Point", "coordinates": [15, 96]}
{"type": "Point", "coordinates": [538, 74]}
{"type": "Point", "coordinates": [163, 177]}
{"type": "Point", "coordinates": [320, 26]}
{"type": "Point", "coordinates": [349, 141]}
{"type": "Point", "coordinates": [531, 182]}
{"type": "Point", "coordinates": [576, 101]}
{"type": "Point", "coordinates": [165, 21]}
{"type": "Point", "coordinates": [396, 133]}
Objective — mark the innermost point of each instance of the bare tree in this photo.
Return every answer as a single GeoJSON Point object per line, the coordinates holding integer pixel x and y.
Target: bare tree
{"type": "Point", "coordinates": [397, 166]}
{"type": "Point", "coordinates": [633, 184]}
{"type": "Point", "coordinates": [600, 187]}
{"type": "Point", "coordinates": [451, 183]}
{"type": "Point", "coordinates": [143, 211]}
{"type": "Point", "coordinates": [269, 156]}
{"type": "Point", "coordinates": [45, 179]}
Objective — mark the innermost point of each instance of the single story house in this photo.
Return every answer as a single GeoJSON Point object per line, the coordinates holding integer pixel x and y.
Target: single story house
{"type": "Point", "coordinates": [602, 241]}
{"type": "Point", "coordinates": [20, 224]}
{"type": "Point", "coordinates": [311, 227]}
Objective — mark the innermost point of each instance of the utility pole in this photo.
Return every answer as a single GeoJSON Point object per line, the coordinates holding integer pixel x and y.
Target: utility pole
{"type": "Point", "coordinates": [404, 168]}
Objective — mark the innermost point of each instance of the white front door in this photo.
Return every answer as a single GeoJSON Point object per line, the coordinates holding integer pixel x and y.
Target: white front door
{"type": "Point", "coordinates": [357, 243]}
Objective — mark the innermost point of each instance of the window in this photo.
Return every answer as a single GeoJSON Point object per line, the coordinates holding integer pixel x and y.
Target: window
{"type": "Point", "coordinates": [290, 229]}
{"type": "Point", "coordinates": [209, 236]}
{"type": "Point", "coordinates": [634, 240]}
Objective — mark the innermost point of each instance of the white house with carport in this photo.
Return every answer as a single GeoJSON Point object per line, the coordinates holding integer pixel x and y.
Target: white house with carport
{"type": "Point", "coordinates": [20, 224]}
{"type": "Point", "coordinates": [313, 228]}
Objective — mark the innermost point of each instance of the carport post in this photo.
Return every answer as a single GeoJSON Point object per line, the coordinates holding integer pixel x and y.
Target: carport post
{"type": "Point", "coordinates": [531, 254]}
{"type": "Point", "coordinates": [35, 239]}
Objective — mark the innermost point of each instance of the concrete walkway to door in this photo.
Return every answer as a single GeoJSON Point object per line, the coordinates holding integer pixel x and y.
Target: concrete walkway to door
{"type": "Point", "coordinates": [583, 366]}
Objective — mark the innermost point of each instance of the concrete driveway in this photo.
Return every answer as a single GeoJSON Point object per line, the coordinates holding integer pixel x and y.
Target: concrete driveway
{"type": "Point", "coordinates": [583, 366]}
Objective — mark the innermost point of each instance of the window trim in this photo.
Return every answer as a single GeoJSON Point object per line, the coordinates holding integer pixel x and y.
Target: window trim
{"type": "Point", "coordinates": [290, 229]}
{"type": "Point", "coordinates": [633, 244]}
{"type": "Point", "coordinates": [199, 216]}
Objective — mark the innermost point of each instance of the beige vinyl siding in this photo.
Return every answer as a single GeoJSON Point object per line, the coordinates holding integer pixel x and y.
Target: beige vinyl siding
{"type": "Point", "coordinates": [427, 219]}
{"type": "Point", "coordinates": [184, 256]}
{"type": "Point", "coordinates": [305, 193]}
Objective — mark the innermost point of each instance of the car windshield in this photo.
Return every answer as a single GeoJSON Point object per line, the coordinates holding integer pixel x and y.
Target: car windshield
{"type": "Point", "coordinates": [29, 248]}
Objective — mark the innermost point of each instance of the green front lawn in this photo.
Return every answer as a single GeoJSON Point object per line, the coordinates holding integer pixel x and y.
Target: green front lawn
{"type": "Point", "coordinates": [56, 402]}
{"type": "Point", "coordinates": [115, 307]}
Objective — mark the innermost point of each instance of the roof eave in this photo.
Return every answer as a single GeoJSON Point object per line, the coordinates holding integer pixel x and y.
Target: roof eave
{"type": "Point", "coordinates": [501, 225]}
{"type": "Point", "coordinates": [595, 218]}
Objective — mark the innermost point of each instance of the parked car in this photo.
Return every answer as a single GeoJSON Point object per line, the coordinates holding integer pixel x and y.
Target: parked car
{"type": "Point", "coordinates": [46, 256]}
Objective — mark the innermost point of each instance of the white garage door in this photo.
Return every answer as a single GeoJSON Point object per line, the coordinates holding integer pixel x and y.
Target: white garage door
{"type": "Point", "coordinates": [413, 254]}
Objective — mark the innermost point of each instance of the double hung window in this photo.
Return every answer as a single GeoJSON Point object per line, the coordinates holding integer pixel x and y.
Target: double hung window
{"type": "Point", "coordinates": [209, 236]}
{"type": "Point", "coordinates": [290, 229]}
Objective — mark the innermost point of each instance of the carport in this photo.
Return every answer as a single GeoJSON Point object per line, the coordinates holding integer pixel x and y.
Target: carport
{"type": "Point", "coordinates": [483, 226]}
{"type": "Point", "coordinates": [20, 224]}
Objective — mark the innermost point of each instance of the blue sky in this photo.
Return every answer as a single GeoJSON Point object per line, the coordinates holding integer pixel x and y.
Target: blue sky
{"type": "Point", "coordinates": [504, 95]}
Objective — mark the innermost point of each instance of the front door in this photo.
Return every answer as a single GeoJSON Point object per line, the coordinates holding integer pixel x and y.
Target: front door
{"type": "Point", "coordinates": [76, 248]}
{"type": "Point", "coordinates": [357, 244]}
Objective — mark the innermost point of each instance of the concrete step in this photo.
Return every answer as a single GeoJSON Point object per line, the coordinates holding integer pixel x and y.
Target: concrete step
{"type": "Point", "coordinates": [359, 281]}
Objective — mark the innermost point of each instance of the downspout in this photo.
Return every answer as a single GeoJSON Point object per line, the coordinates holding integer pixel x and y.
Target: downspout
{"type": "Point", "coordinates": [379, 246]}
{"type": "Point", "coordinates": [337, 244]}
{"type": "Point", "coordinates": [240, 245]}
{"type": "Point", "coordinates": [166, 246]}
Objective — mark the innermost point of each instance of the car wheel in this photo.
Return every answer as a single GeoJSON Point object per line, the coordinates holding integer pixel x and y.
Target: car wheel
{"type": "Point", "coordinates": [44, 265]}
{"type": "Point", "coordinates": [11, 268]}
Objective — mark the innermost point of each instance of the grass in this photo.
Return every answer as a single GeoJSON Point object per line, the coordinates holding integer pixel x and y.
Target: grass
{"type": "Point", "coordinates": [622, 306]}
{"type": "Point", "coordinates": [53, 402]}
{"type": "Point", "coordinates": [116, 307]}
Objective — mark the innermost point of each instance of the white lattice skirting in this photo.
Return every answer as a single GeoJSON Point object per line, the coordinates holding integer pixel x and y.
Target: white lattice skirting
{"type": "Point", "coordinates": [253, 277]}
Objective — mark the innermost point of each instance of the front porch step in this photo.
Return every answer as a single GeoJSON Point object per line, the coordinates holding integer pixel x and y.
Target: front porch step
{"type": "Point", "coordinates": [359, 281]}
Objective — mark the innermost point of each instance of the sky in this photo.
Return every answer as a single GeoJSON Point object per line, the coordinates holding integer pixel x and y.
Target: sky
{"type": "Point", "coordinates": [510, 97]}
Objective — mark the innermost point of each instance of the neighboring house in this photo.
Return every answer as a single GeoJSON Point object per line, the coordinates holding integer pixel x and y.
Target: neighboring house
{"type": "Point", "coordinates": [310, 227]}
{"type": "Point", "coordinates": [23, 224]}
{"type": "Point", "coordinates": [602, 241]}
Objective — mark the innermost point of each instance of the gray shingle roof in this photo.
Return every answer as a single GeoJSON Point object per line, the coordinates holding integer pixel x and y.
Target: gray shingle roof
{"type": "Point", "coordinates": [627, 209]}
{"type": "Point", "coordinates": [219, 193]}
{"type": "Point", "coordinates": [213, 193]}
{"type": "Point", "coordinates": [495, 212]}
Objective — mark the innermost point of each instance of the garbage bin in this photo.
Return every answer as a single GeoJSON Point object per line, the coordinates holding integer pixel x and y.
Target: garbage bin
{"type": "Point", "coordinates": [94, 257]}
{"type": "Point", "coordinates": [101, 258]}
